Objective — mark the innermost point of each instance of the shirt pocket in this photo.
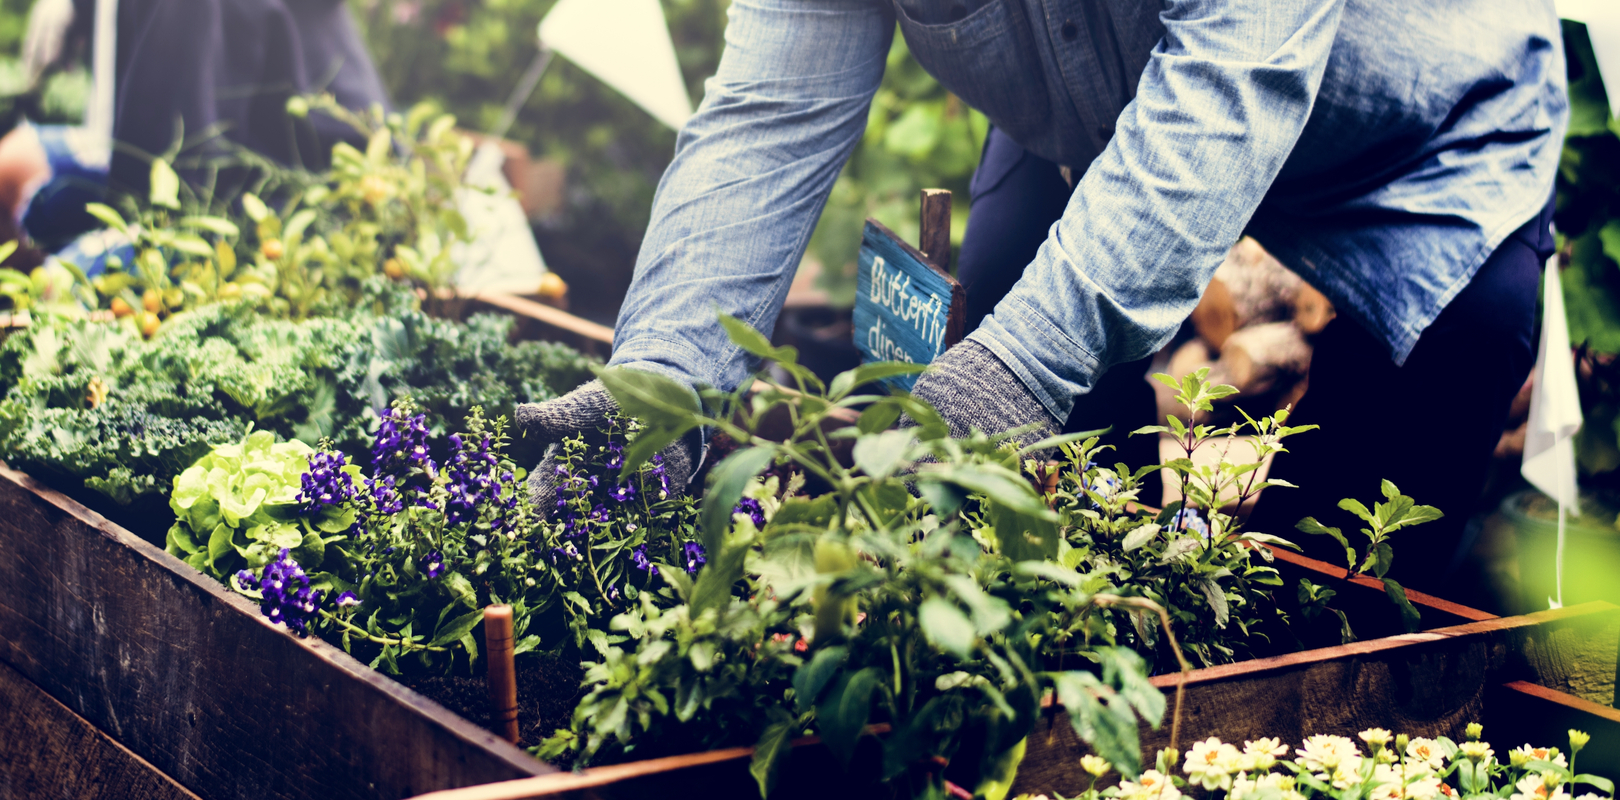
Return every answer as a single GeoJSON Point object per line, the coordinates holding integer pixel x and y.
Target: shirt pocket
{"type": "Point", "coordinates": [987, 58]}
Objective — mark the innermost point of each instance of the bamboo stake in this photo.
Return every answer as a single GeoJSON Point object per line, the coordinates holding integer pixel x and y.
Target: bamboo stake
{"type": "Point", "coordinates": [502, 674]}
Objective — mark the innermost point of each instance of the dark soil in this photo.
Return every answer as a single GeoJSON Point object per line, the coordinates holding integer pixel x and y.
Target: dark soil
{"type": "Point", "coordinates": [547, 691]}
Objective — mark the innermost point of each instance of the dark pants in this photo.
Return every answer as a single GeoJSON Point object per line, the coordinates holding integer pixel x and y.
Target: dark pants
{"type": "Point", "coordinates": [1016, 197]}
{"type": "Point", "coordinates": [1429, 425]}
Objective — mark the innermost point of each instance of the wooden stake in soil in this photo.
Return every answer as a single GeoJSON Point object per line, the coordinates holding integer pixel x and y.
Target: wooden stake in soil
{"type": "Point", "coordinates": [502, 675]}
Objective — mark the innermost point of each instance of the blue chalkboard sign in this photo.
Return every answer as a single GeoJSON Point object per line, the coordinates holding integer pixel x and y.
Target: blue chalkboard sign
{"type": "Point", "coordinates": [906, 309]}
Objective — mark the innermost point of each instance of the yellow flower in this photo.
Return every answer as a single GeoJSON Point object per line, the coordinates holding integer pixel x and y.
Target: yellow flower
{"type": "Point", "coordinates": [1578, 739]}
{"type": "Point", "coordinates": [1476, 751]}
{"type": "Point", "coordinates": [1519, 756]}
{"type": "Point", "coordinates": [1094, 766]}
{"type": "Point", "coordinates": [1377, 737]}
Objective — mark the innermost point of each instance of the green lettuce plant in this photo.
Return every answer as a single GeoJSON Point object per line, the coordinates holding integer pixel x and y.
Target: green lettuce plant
{"type": "Point", "coordinates": [238, 506]}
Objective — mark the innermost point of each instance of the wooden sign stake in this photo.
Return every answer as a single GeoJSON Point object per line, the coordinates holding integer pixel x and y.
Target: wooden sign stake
{"type": "Point", "coordinates": [502, 673]}
{"type": "Point", "coordinates": [907, 305]}
{"type": "Point", "coordinates": [936, 228]}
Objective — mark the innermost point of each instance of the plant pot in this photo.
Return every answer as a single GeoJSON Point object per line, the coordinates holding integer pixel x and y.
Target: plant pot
{"type": "Point", "coordinates": [1591, 549]}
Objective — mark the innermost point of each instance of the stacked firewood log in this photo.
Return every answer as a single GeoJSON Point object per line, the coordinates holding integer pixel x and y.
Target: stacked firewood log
{"type": "Point", "coordinates": [1253, 328]}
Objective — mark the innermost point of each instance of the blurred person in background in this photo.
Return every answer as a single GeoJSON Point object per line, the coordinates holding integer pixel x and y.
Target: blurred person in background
{"type": "Point", "coordinates": [204, 77]}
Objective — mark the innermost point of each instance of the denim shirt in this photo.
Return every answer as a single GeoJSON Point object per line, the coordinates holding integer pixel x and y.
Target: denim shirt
{"type": "Point", "coordinates": [1380, 149]}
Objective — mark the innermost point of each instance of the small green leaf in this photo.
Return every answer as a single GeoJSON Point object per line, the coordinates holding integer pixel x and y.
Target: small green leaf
{"type": "Point", "coordinates": [844, 712]}
{"type": "Point", "coordinates": [1397, 594]}
{"type": "Point", "coordinates": [217, 225]}
{"type": "Point", "coordinates": [456, 628]}
{"type": "Point", "coordinates": [255, 208]}
{"type": "Point", "coordinates": [880, 454]}
{"type": "Point", "coordinates": [165, 189]}
{"type": "Point", "coordinates": [770, 752]}
{"type": "Point", "coordinates": [812, 676]}
{"type": "Point", "coordinates": [946, 626]}
{"type": "Point", "coordinates": [845, 382]}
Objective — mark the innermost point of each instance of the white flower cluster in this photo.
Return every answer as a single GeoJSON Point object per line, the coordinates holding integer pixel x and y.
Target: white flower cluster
{"type": "Point", "coordinates": [1381, 766]}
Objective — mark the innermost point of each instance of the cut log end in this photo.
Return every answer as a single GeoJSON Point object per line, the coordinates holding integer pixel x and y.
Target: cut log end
{"type": "Point", "coordinates": [1312, 310]}
{"type": "Point", "coordinates": [1215, 318]}
{"type": "Point", "coordinates": [1255, 358]}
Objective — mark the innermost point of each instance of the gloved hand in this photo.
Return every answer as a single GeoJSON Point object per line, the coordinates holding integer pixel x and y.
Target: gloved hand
{"type": "Point", "coordinates": [585, 410]}
{"type": "Point", "coordinates": [971, 388]}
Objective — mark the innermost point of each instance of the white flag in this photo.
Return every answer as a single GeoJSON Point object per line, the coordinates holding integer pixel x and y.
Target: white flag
{"type": "Point", "coordinates": [1602, 19]}
{"type": "Point", "coordinates": [626, 44]}
{"type": "Point", "coordinates": [1555, 414]}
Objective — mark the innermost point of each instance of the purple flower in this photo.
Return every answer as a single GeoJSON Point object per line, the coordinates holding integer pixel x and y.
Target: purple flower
{"type": "Point", "coordinates": [695, 558]}
{"type": "Point", "coordinates": [247, 580]}
{"type": "Point", "coordinates": [752, 508]}
{"type": "Point", "coordinates": [566, 552]}
{"type": "Point", "coordinates": [325, 483]}
{"type": "Point", "coordinates": [661, 475]}
{"type": "Point", "coordinates": [616, 456]}
{"type": "Point", "coordinates": [638, 556]}
{"type": "Point", "coordinates": [385, 495]}
{"type": "Point", "coordinates": [623, 493]}
{"type": "Point", "coordinates": [286, 597]}
{"type": "Point", "coordinates": [433, 565]}
{"type": "Point", "coordinates": [400, 444]}
{"type": "Point", "coordinates": [475, 480]}
{"type": "Point", "coordinates": [348, 599]}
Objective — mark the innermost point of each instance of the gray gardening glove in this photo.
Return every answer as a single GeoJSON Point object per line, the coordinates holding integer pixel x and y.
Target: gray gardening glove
{"type": "Point", "coordinates": [583, 411]}
{"type": "Point", "coordinates": [971, 388]}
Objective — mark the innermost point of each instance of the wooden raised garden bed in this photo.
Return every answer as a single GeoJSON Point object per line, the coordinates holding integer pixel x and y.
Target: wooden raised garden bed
{"type": "Point", "coordinates": [1530, 677]}
{"type": "Point", "coordinates": [194, 681]}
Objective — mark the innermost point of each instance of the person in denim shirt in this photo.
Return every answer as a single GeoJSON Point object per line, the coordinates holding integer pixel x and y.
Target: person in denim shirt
{"type": "Point", "coordinates": [1385, 151]}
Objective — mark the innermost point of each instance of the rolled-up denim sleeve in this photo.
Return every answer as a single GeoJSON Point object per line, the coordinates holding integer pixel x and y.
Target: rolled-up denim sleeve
{"type": "Point", "coordinates": [1218, 110]}
{"type": "Point", "coordinates": [751, 173]}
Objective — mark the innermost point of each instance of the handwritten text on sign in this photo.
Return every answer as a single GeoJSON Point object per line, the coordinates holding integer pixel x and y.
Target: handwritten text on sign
{"type": "Point", "coordinates": [902, 306]}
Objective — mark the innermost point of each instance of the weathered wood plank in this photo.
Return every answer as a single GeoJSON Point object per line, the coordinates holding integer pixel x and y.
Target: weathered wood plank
{"type": "Point", "coordinates": [194, 680]}
{"type": "Point", "coordinates": [1362, 598]}
{"type": "Point", "coordinates": [47, 750]}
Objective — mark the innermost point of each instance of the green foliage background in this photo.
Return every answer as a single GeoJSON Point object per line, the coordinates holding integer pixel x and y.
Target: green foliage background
{"type": "Point", "coordinates": [1588, 221]}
